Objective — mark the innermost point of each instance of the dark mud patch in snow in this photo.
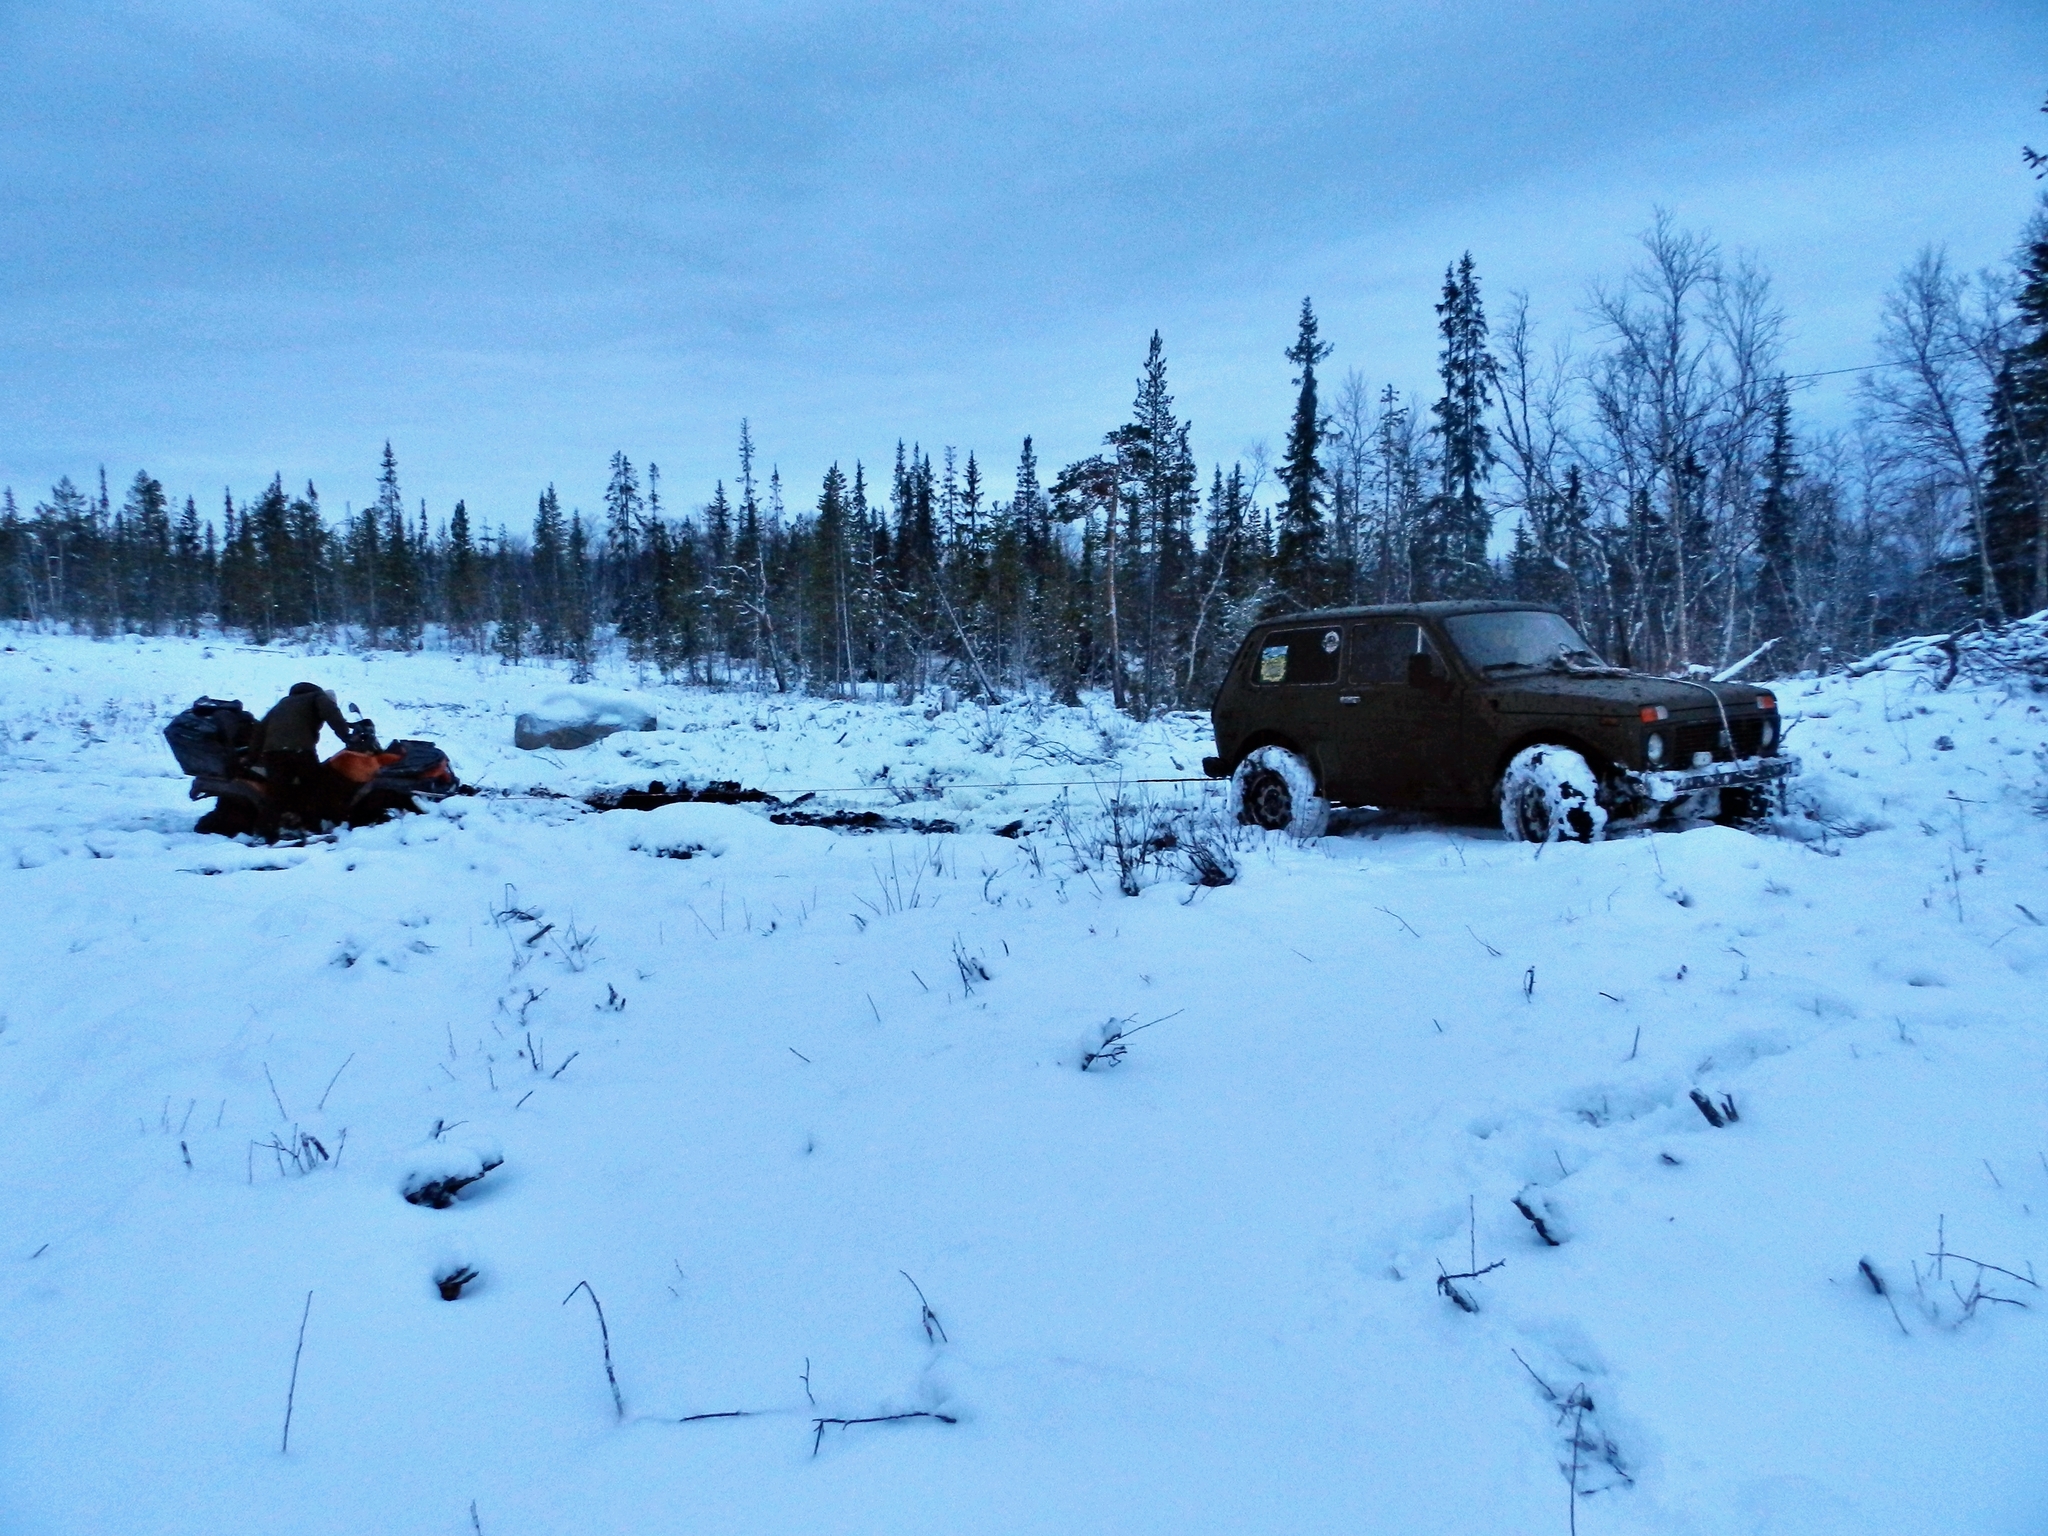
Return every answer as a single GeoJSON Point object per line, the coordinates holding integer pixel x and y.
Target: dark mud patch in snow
{"type": "Point", "coordinates": [860, 821]}
{"type": "Point", "coordinates": [728, 792]}
{"type": "Point", "coordinates": [658, 794]}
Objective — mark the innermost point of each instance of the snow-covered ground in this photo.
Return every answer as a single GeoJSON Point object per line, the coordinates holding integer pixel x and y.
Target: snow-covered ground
{"type": "Point", "coordinates": [752, 1081]}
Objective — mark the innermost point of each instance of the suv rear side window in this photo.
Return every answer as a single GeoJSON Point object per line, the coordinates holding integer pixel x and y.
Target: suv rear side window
{"type": "Point", "coordinates": [1380, 652]}
{"type": "Point", "coordinates": [1298, 656]}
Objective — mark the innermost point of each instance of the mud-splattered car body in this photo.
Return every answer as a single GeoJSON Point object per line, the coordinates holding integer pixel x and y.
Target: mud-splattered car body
{"type": "Point", "coordinates": [1425, 706]}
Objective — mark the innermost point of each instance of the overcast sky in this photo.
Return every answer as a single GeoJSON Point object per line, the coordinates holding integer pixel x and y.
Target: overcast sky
{"type": "Point", "coordinates": [242, 237]}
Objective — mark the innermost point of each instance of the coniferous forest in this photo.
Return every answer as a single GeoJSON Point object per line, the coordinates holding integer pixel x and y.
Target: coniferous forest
{"type": "Point", "coordinates": [1650, 474]}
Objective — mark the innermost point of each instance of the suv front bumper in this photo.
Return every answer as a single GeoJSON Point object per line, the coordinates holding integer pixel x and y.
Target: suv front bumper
{"type": "Point", "coordinates": [1665, 785]}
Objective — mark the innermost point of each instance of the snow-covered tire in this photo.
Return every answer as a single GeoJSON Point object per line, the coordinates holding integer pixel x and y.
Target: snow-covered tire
{"type": "Point", "coordinates": [1551, 795]}
{"type": "Point", "coordinates": [1276, 789]}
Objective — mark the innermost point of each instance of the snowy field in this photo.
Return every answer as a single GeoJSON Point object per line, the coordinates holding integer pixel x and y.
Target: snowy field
{"type": "Point", "coordinates": [775, 1091]}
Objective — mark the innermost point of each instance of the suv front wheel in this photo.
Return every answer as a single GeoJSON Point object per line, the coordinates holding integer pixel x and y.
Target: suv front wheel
{"type": "Point", "coordinates": [1275, 788]}
{"type": "Point", "coordinates": [1551, 795]}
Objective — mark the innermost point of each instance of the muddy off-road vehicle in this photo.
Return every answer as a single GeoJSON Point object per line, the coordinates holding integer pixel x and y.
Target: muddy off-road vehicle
{"type": "Point", "coordinates": [1469, 706]}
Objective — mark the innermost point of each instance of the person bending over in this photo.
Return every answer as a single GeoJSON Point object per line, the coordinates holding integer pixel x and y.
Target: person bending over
{"type": "Point", "coordinates": [287, 739]}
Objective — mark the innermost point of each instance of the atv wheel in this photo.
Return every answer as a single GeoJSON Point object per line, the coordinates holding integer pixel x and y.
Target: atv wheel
{"type": "Point", "coordinates": [1275, 788]}
{"type": "Point", "coordinates": [1551, 795]}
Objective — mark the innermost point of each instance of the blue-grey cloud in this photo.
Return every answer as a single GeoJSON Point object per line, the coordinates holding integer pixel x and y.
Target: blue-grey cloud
{"type": "Point", "coordinates": [247, 236]}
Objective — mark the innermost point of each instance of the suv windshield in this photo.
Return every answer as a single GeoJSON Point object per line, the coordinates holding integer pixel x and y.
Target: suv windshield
{"type": "Point", "coordinates": [1527, 639]}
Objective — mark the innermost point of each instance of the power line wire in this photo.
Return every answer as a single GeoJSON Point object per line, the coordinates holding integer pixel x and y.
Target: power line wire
{"type": "Point", "coordinates": [1828, 373]}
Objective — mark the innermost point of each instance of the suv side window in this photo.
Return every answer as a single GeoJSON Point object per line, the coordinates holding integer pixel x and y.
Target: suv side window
{"type": "Point", "coordinates": [1298, 656]}
{"type": "Point", "coordinates": [1381, 651]}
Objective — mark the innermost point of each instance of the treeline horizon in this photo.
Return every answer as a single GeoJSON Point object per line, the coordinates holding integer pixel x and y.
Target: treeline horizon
{"type": "Point", "coordinates": [1660, 487]}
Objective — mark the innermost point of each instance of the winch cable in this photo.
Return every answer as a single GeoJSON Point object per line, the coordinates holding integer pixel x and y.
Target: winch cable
{"type": "Point", "coordinates": [920, 791]}
{"type": "Point", "coordinates": [1720, 708]}
{"type": "Point", "coordinates": [1026, 784]}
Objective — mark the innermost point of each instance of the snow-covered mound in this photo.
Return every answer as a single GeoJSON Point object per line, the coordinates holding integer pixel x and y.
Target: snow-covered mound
{"type": "Point", "coordinates": [575, 717]}
{"type": "Point", "coordinates": [1418, 1181]}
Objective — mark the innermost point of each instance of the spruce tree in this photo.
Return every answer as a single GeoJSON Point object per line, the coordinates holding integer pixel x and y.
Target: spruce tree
{"type": "Point", "coordinates": [189, 575]}
{"type": "Point", "coordinates": [464, 571]}
{"type": "Point", "coordinates": [830, 616]}
{"type": "Point", "coordinates": [1777, 607]}
{"type": "Point", "coordinates": [2016, 442]}
{"type": "Point", "coordinates": [624, 516]}
{"type": "Point", "coordinates": [17, 583]}
{"type": "Point", "coordinates": [545, 595]}
{"type": "Point", "coordinates": [1159, 545]}
{"type": "Point", "coordinates": [1459, 520]}
{"type": "Point", "coordinates": [271, 571]}
{"type": "Point", "coordinates": [396, 579]}
{"type": "Point", "coordinates": [718, 608]}
{"type": "Point", "coordinates": [311, 578]}
{"type": "Point", "coordinates": [1299, 554]}
{"type": "Point", "coordinates": [509, 632]}
{"type": "Point", "coordinates": [146, 513]}
{"type": "Point", "coordinates": [364, 544]}
{"type": "Point", "coordinates": [579, 603]}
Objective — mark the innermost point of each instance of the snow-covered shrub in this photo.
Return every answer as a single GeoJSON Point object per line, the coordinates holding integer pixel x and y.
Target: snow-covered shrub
{"type": "Point", "coordinates": [439, 1171]}
{"type": "Point", "coordinates": [1142, 841]}
{"type": "Point", "coordinates": [1821, 803]}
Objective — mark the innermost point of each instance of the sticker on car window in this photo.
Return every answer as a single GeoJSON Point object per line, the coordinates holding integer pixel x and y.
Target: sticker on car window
{"type": "Point", "coordinates": [1331, 642]}
{"type": "Point", "coordinates": [1273, 664]}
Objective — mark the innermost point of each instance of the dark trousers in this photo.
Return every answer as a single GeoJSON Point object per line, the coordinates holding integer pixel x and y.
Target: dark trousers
{"type": "Point", "coordinates": [292, 778]}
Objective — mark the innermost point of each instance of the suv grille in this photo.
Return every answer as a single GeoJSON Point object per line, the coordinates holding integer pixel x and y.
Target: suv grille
{"type": "Point", "coordinates": [1705, 736]}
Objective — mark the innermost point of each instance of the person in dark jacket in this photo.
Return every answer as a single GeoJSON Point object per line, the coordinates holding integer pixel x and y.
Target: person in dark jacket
{"type": "Point", "coordinates": [288, 737]}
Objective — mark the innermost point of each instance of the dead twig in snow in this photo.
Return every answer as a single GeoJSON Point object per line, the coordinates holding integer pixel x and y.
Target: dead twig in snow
{"type": "Point", "coordinates": [1397, 917]}
{"type": "Point", "coordinates": [1879, 1288]}
{"type": "Point", "coordinates": [929, 1318]}
{"type": "Point", "coordinates": [282, 1112]}
{"type": "Point", "coordinates": [1964, 1258]}
{"type": "Point", "coordinates": [291, 1395]}
{"type": "Point", "coordinates": [1716, 1115]}
{"type": "Point", "coordinates": [1545, 1386]}
{"type": "Point", "coordinates": [610, 1375]}
{"type": "Point", "coordinates": [1115, 1032]}
{"type": "Point", "coordinates": [971, 967]}
{"type": "Point", "coordinates": [317, 1108]}
{"type": "Point", "coordinates": [818, 1425]}
{"type": "Point", "coordinates": [1448, 1289]}
{"type": "Point", "coordinates": [1578, 1418]}
{"type": "Point", "coordinates": [1542, 1227]}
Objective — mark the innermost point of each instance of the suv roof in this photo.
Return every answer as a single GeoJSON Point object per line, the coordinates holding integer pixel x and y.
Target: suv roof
{"type": "Point", "coordinates": [1433, 610]}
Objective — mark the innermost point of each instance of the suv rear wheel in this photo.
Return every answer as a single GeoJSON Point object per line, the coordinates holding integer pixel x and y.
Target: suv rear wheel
{"type": "Point", "coordinates": [1551, 795]}
{"type": "Point", "coordinates": [1275, 788]}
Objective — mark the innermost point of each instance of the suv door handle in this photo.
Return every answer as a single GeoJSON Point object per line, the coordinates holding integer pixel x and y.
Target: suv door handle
{"type": "Point", "coordinates": [1347, 698]}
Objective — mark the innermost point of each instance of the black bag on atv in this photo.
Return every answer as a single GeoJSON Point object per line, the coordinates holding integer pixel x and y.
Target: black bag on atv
{"type": "Point", "coordinates": [424, 770]}
{"type": "Point", "coordinates": [211, 739]}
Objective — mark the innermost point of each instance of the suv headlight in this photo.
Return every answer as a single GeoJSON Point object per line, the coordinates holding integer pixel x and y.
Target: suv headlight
{"type": "Point", "coordinates": [1768, 735]}
{"type": "Point", "coordinates": [1653, 748]}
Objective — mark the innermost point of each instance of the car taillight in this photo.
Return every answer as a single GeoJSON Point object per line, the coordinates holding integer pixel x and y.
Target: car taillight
{"type": "Point", "coordinates": [1652, 713]}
